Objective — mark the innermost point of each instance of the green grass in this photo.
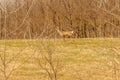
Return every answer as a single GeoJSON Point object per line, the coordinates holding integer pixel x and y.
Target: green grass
{"type": "Point", "coordinates": [81, 59]}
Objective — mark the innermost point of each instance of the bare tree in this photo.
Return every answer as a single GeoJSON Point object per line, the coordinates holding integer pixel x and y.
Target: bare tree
{"type": "Point", "coordinates": [47, 58]}
{"type": "Point", "coordinates": [9, 62]}
{"type": "Point", "coordinates": [116, 64]}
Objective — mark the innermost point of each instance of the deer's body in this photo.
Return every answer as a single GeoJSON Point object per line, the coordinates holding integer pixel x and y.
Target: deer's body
{"type": "Point", "coordinates": [65, 34]}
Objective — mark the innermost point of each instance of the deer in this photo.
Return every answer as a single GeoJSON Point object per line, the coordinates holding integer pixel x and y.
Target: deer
{"type": "Point", "coordinates": [66, 34]}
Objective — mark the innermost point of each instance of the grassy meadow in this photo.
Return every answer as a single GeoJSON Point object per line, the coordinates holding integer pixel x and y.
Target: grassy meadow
{"type": "Point", "coordinates": [79, 59]}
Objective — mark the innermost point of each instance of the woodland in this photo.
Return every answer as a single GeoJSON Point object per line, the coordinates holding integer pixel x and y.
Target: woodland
{"type": "Point", "coordinates": [31, 19]}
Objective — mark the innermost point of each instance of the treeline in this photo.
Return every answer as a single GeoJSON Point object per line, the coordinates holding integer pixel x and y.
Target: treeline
{"type": "Point", "coordinates": [28, 19]}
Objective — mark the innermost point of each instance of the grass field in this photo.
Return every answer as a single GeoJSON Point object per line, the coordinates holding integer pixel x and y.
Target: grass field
{"type": "Point", "coordinates": [80, 59]}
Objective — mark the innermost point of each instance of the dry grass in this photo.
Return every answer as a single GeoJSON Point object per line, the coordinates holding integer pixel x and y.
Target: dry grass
{"type": "Point", "coordinates": [82, 59]}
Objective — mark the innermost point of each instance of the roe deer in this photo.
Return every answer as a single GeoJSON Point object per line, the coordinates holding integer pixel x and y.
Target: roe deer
{"type": "Point", "coordinates": [65, 34]}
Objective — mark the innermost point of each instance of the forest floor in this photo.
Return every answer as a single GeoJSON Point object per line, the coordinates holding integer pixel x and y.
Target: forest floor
{"type": "Point", "coordinates": [80, 59]}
